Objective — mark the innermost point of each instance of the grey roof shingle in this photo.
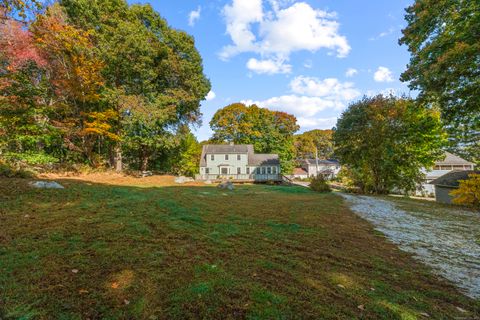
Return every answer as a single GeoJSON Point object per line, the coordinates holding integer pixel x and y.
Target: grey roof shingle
{"type": "Point", "coordinates": [451, 159]}
{"type": "Point", "coordinates": [253, 158]}
{"type": "Point", "coordinates": [259, 159]}
{"type": "Point", "coordinates": [452, 178]}
{"type": "Point", "coordinates": [313, 162]}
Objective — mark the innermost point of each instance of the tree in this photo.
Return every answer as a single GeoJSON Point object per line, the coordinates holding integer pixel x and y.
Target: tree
{"type": "Point", "coordinates": [385, 141]}
{"type": "Point", "coordinates": [468, 192]}
{"type": "Point", "coordinates": [154, 75]}
{"type": "Point", "coordinates": [443, 37]}
{"type": "Point", "coordinates": [268, 131]}
{"type": "Point", "coordinates": [307, 143]}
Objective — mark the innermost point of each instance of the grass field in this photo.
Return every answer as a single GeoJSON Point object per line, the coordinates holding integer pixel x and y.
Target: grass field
{"type": "Point", "coordinates": [114, 247]}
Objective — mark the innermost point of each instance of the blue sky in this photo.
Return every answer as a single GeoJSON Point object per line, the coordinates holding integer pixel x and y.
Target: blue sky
{"type": "Point", "coordinates": [308, 58]}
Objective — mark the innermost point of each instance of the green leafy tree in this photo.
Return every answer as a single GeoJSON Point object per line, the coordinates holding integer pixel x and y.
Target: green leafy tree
{"type": "Point", "coordinates": [309, 143]}
{"type": "Point", "coordinates": [268, 131]}
{"type": "Point", "coordinates": [385, 141]}
{"type": "Point", "coordinates": [153, 73]}
{"type": "Point", "coordinates": [443, 37]}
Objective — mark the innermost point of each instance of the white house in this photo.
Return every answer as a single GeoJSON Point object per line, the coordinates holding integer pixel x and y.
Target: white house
{"type": "Point", "coordinates": [237, 162]}
{"type": "Point", "coordinates": [450, 163]}
{"type": "Point", "coordinates": [308, 168]}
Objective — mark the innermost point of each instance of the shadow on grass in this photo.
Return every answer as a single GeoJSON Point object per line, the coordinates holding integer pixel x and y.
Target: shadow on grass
{"type": "Point", "coordinates": [174, 252]}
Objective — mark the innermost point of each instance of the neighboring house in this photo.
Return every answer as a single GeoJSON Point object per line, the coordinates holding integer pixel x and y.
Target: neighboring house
{"type": "Point", "coordinates": [237, 162]}
{"type": "Point", "coordinates": [449, 164]}
{"type": "Point", "coordinates": [299, 173]}
{"type": "Point", "coordinates": [447, 183]}
{"type": "Point", "coordinates": [328, 168]}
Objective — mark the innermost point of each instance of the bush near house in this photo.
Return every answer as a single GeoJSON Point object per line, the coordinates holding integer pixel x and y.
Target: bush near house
{"type": "Point", "coordinates": [319, 184]}
{"type": "Point", "coordinates": [468, 193]}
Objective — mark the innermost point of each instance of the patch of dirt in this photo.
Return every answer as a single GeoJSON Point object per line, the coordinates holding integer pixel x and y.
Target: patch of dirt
{"type": "Point", "coordinates": [446, 241]}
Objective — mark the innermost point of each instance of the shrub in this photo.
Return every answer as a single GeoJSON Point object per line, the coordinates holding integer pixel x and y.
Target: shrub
{"type": "Point", "coordinates": [7, 171]}
{"type": "Point", "coordinates": [468, 193]}
{"type": "Point", "coordinates": [319, 184]}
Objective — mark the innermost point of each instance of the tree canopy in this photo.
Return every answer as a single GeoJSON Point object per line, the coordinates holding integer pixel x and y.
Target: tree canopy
{"type": "Point", "coordinates": [443, 37]}
{"type": "Point", "coordinates": [95, 80]}
{"type": "Point", "coordinates": [268, 131]}
{"type": "Point", "coordinates": [385, 141]}
{"type": "Point", "coordinates": [315, 141]}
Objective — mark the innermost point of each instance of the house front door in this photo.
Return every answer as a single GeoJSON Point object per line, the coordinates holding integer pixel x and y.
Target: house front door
{"type": "Point", "coordinates": [224, 170]}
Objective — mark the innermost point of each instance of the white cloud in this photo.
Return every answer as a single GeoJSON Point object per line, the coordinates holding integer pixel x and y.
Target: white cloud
{"type": "Point", "coordinates": [383, 34]}
{"type": "Point", "coordinates": [311, 98]}
{"type": "Point", "coordinates": [317, 123]}
{"type": "Point", "coordinates": [330, 88]}
{"type": "Point", "coordinates": [268, 66]}
{"type": "Point", "coordinates": [351, 72]}
{"type": "Point", "coordinates": [298, 105]}
{"type": "Point", "coordinates": [308, 64]}
{"type": "Point", "coordinates": [210, 96]}
{"type": "Point", "coordinates": [193, 16]}
{"type": "Point", "coordinates": [275, 34]}
{"type": "Point", "coordinates": [383, 74]}
{"type": "Point", "coordinates": [239, 16]}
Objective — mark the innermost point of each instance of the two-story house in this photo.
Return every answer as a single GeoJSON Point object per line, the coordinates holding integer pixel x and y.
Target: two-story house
{"type": "Point", "coordinates": [450, 163]}
{"type": "Point", "coordinates": [237, 162]}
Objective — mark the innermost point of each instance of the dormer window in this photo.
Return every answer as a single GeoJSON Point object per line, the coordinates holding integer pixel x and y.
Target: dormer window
{"type": "Point", "coordinates": [226, 157]}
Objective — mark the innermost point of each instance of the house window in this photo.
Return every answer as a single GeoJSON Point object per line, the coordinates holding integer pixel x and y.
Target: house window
{"type": "Point", "coordinates": [274, 170]}
{"type": "Point", "coordinates": [263, 170]}
{"type": "Point", "coordinates": [269, 170]}
{"type": "Point", "coordinates": [239, 157]}
{"type": "Point", "coordinates": [258, 170]}
{"type": "Point", "coordinates": [212, 157]}
{"type": "Point", "coordinates": [239, 170]}
{"type": "Point", "coordinates": [207, 170]}
{"type": "Point", "coordinates": [226, 157]}
{"type": "Point", "coordinates": [248, 170]}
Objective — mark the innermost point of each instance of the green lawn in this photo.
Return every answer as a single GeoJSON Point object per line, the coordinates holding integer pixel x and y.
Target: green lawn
{"type": "Point", "coordinates": [145, 250]}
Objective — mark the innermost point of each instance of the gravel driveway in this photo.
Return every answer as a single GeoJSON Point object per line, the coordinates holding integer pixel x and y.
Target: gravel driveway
{"type": "Point", "coordinates": [448, 240]}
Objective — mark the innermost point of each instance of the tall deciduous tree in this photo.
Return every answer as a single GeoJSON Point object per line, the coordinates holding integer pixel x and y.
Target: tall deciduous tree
{"type": "Point", "coordinates": [385, 141]}
{"type": "Point", "coordinates": [309, 143]}
{"type": "Point", "coordinates": [443, 37]}
{"type": "Point", "coordinates": [154, 72]}
{"type": "Point", "coordinates": [268, 131]}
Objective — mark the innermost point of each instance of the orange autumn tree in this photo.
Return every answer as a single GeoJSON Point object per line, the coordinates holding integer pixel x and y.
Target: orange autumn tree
{"type": "Point", "coordinates": [75, 76]}
{"type": "Point", "coordinates": [468, 193]}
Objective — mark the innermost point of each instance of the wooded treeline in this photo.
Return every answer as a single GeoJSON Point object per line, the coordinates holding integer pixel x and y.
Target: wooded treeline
{"type": "Point", "coordinates": [100, 83]}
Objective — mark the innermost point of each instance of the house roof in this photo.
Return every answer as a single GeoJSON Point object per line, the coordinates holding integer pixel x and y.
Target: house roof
{"type": "Point", "coordinates": [225, 148]}
{"type": "Point", "coordinates": [451, 159]}
{"type": "Point", "coordinates": [254, 159]}
{"type": "Point", "coordinates": [452, 178]}
{"type": "Point", "coordinates": [313, 162]}
{"type": "Point", "coordinates": [300, 172]}
{"type": "Point", "coordinates": [261, 159]}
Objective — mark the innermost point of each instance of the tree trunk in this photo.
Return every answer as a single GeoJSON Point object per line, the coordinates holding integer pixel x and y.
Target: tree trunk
{"type": "Point", "coordinates": [144, 159]}
{"type": "Point", "coordinates": [144, 164]}
{"type": "Point", "coordinates": [118, 158]}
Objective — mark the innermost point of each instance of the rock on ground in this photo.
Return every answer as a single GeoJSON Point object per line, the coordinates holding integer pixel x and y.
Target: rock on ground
{"type": "Point", "coordinates": [183, 179]}
{"type": "Point", "coordinates": [46, 185]}
{"type": "Point", "coordinates": [226, 185]}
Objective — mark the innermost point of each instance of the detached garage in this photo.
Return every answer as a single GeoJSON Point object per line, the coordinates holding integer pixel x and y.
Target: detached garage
{"type": "Point", "coordinates": [447, 183]}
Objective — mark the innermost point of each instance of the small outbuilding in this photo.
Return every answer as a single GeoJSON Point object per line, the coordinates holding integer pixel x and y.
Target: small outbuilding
{"type": "Point", "coordinates": [449, 182]}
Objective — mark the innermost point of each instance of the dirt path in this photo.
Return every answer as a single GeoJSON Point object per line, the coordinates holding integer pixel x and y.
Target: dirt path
{"type": "Point", "coordinates": [448, 240]}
